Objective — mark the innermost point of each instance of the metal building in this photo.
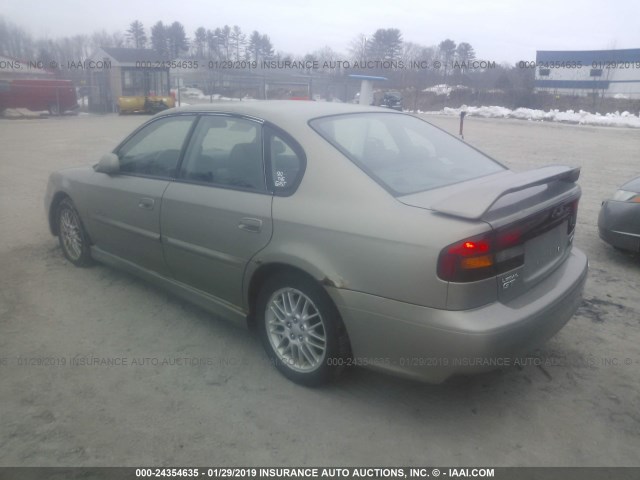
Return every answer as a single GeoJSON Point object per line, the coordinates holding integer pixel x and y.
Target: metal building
{"type": "Point", "coordinates": [603, 73]}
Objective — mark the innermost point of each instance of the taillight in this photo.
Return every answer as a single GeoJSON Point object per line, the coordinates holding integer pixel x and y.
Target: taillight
{"type": "Point", "coordinates": [481, 257]}
{"type": "Point", "coordinates": [501, 250]}
{"type": "Point", "coordinates": [573, 216]}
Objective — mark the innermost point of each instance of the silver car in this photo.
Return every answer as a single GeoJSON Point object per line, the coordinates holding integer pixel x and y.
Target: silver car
{"type": "Point", "coordinates": [619, 218]}
{"type": "Point", "coordinates": [346, 235]}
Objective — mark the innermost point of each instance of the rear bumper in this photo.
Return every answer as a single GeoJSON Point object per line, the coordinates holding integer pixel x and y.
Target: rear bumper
{"type": "Point", "coordinates": [619, 224]}
{"type": "Point", "coordinates": [432, 345]}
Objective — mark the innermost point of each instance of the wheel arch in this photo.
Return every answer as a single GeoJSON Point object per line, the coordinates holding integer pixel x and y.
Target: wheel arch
{"type": "Point", "coordinates": [338, 341]}
{"type": "Point", "coordinates": [53, 208]}
{"type": "Point", "coordinates": [266, 270]}
{"type": "Point", "coordinates": [257, 279]}
{"type": "Point", "coordinates": [57, 198]}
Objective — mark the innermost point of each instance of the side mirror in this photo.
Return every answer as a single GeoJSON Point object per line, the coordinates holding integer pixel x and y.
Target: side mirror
{"type": "Point", "coordinates": [109, 164]}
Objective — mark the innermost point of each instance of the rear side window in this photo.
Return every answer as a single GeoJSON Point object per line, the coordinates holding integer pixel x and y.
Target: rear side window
{"type": "Point", "coordinates": [403, 153]}
{"type": "Point", "coordinates": [286, 162]}
{"type": "Point", "coordinates": [227, 152]}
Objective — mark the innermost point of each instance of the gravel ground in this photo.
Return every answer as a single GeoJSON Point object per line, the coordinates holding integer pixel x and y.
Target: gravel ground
{"type": "Point", "coordinates": [225, 404]}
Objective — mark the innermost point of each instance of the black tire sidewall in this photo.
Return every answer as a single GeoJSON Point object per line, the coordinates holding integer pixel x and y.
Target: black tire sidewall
{"type": "Point", "coordinates": [337, 351]}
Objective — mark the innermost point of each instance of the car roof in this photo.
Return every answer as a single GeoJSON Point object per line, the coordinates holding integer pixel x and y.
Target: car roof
{"type": "Point", "coordinates": [279, 112]}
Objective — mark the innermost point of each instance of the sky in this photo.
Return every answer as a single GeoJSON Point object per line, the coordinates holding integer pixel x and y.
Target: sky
{"type": "Point", "coordinates": [499, 30]}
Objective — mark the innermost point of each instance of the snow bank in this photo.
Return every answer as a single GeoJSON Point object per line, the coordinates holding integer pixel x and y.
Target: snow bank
{"type": "Point", "coordinates": [22, 113]}
{"type": "Point", "coordinates": [192, 93]}
{"type": "Point", "coordinates": [617, 119]}
{"type": "Point", "coordinates": [444, 89]}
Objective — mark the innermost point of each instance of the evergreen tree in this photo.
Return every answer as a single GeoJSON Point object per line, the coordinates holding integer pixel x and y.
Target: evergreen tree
{"type": "Point", "coordinates": [159, 39]}
{"type": "Point", "coordinates": [176, 39]}
{"type": "Point", "coordinates": [136, 36]}
{"type": "Point", "coordinates": [386, 44]}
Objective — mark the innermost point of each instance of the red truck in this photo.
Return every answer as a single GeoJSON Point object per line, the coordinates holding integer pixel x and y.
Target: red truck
{"type": "Point", "coordinates": [56, 96]}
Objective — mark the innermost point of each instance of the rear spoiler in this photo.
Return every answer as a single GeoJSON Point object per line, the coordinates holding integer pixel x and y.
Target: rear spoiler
{"type": "Point", "coordinates": [478, 200]}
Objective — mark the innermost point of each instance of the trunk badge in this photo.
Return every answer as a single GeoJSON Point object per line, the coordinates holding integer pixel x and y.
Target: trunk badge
{"type": "Point", "coordinates": [509, 280]}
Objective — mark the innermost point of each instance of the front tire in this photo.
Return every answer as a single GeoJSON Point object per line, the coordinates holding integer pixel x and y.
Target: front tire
{"type": "Point", "coordinates": [73, 239]}
{"type": "Point", "coordinates": [301, 329]}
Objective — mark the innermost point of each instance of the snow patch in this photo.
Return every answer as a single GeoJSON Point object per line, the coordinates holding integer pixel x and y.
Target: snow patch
{"type": "Point", "coordinates": [193, 93]}
{"type": "Point", "coordinates": [444, 89]}
{"type": "Point", "coordinates": [617, 119]}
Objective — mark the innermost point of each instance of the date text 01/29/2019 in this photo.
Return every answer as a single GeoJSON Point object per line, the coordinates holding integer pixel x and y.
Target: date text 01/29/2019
{"type": "Point", "coordinates": [316, 472]}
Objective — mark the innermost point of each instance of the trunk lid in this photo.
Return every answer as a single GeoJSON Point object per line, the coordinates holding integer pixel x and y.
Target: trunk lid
{"type": "Point", "coordinates": [532, 216]}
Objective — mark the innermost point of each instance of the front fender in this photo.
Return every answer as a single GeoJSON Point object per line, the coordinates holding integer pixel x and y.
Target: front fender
{"type": "Point", "coordinates": [65, 183]}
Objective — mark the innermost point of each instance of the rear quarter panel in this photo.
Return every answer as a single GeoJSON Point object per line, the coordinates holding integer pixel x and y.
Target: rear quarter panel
{"type": "Point", "coordinates": [348, 232]}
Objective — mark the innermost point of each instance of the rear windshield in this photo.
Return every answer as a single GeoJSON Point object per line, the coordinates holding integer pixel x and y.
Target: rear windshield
{"type": "Point", "coordinates": [403, 153]}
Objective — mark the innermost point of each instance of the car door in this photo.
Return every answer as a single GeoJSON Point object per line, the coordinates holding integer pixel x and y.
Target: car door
{"type": "Point", "coordinates": [217, 214]}
{"type": "Point", "coordinates": [124, 208]}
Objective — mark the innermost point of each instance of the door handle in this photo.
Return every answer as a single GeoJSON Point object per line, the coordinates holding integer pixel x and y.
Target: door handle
{"type": "Point", "coordinates": [253, 225]}
{"type": "Point", "coordinates": [146, 203]}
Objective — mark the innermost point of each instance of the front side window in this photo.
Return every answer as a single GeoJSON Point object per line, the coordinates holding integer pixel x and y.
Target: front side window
{"type": "Point", "coordinates": [403, 153]}
{"type": "Point", "coordinates": [155, 150]}
{"type": "Point", "coordinates": [226, 151]}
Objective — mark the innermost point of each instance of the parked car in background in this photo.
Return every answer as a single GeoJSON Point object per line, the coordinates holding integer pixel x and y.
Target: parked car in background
{"type": "Point", "coordinates": [392, 99]}
{"type": "Point", "coordinates": [619, 219]}
{"type": "Point", "coordinates": [387, 99]}
{"type": "Point", "coordinates": [346, 234]}
{"type": "Point", "coordinates": [54, 96]}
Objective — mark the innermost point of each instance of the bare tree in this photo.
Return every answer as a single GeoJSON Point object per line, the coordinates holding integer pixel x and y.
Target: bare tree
{"type": "Point", "coordinates": [118, 39]}
{"type": "Point", "coordinates": [411, 52]}
{"type": "Point", "coordinates": [14, 41]}
{"type": "Point", "coordinates": [102, 39]}
{"type": "Point", "coordinates": [327, 59]}
{"type": "Point", "coordinates": [358, 48]}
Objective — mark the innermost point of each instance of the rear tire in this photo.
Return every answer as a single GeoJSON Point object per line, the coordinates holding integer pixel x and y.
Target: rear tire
{"type": "Point", "coordinates": [72, 236]}
{"type": "Point", "coordinates": [54, 109]}
{"type": "Point", "coordinates": [301, 329]}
